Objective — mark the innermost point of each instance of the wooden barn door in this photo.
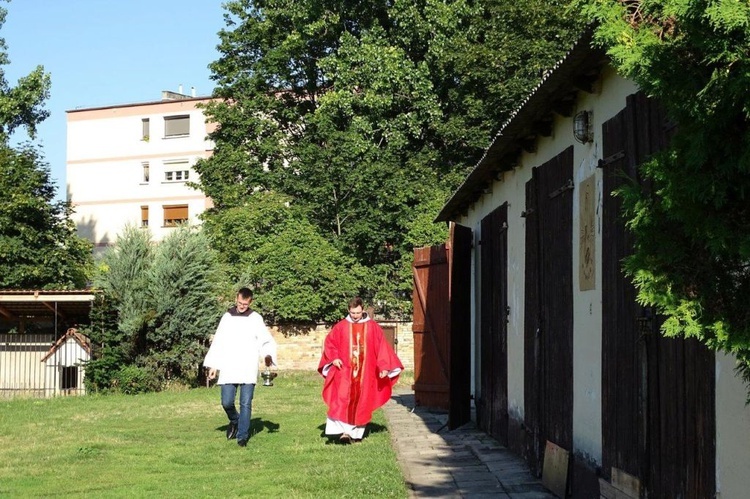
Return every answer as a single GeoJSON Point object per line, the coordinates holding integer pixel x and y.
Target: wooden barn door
{"type": "Point", "coordinates": [442, 326]}
{"type": "Point", "coordinates": [492, 405]}
{"type": "Point", "coordinates": [431, 326]}
{"type": "Point", "coordinates": [658, 421]}
{"type": "Point", "coordinates": [624, 369]}
{"type": "Point", "coordinates": [548, 309]}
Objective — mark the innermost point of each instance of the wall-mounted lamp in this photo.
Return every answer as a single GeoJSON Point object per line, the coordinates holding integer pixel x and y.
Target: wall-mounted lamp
{"type": "Point", "coordinates": [582, 127]}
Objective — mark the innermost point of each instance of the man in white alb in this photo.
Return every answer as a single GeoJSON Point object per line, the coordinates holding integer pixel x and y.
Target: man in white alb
{"type": "Point", "coordinates": [241, 340]}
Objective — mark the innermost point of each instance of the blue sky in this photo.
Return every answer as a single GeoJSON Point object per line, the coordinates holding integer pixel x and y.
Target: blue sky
{"type": "Point", "coordinates": [104, 52]}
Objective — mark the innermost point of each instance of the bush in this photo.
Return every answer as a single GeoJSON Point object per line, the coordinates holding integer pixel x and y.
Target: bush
{"type": "Point", "coordinates": [100, 373]}
{"type": "Point", "coordinates": [132, 380]}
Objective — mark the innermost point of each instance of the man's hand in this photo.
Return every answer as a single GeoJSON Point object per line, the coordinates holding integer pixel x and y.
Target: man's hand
{"type": "Point", "coordinates": [268, 360]}
{"type": "Point", "coordinates": [383, 373]}
{"type": "Point", "coordinates": [338, 363]}
{"type": "Point", "coordinates": [211, 373]}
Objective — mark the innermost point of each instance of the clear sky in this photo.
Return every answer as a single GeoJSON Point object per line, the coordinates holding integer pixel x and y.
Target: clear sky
{"type": "Point", "coordinates": [107, 52]}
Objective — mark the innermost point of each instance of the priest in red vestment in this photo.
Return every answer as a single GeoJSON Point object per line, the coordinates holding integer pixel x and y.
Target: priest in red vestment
{"type": "Point", "coordinates": [360, 369]}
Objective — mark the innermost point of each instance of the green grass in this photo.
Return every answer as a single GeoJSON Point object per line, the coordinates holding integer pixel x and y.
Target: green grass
{"type": "Point", "coordinates": [173, 444]}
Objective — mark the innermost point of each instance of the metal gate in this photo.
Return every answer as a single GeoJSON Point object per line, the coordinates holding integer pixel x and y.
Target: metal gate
{"type": "Point", "coordinates": [35, 365]}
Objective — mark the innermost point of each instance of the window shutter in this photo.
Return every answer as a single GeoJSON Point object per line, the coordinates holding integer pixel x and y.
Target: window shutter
{"type": "Point", "coordinates": [176, 126]}
{"type": "Point", "coordinates": [144, 216]}
{"type": "Point", "coordinates": [174, 215]}
{"type": "Point", "coordinates": [146, 128]}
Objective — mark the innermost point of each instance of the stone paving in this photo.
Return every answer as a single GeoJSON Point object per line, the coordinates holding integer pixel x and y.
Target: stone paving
{"type": "Point", "coordinates": [465, 462]}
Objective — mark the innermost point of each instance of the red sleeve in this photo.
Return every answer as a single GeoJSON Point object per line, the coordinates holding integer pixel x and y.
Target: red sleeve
{"type": "Point", "coordinates": [386, 361]}
{"type": "Point", "coordinates": [331, 347]}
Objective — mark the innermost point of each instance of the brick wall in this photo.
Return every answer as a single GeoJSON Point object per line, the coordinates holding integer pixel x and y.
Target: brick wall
{"type": "Point", "coordinates": [300, 348]}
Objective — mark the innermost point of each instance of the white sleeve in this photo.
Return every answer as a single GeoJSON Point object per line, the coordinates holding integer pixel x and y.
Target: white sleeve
{"type": "Point", "coordinates": [216, 350]}
{"type": "Point", "coordinates": [266, 343]}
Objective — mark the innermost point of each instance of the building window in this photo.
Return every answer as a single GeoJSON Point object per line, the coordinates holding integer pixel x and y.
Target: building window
{"type": "Point", "coordinates": [144, 216]}
{"type": "Point", "coordinates": [146, 172]}
{"type": "Point", "coordinates": [177, 175]}
{"type": "Point", "coordinates": [176, 126]}
{"type": "Point", "coordinates": [176, 170]}
{"type": "Point", "coordinates": [175, 214]}
{"type": "Point", "coordinates": [145, 129]}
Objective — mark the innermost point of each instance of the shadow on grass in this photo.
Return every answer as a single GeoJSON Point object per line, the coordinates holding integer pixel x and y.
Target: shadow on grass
{"type": "Point", "coordinates": [257, 425]}
{"type": "Point", "coordinates": [334, 439]}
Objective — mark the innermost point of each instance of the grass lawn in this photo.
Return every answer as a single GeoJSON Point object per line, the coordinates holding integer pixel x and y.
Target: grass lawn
{"type": "Point", "coordinates": [173, 444]}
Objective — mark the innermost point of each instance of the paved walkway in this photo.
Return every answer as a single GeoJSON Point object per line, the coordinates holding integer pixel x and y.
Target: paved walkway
{"type": "Point", "coordinates": [464, 462]}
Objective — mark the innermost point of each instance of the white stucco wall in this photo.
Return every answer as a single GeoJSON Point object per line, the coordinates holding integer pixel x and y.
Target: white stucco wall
{"type": "Point", "coordinates": [732, 431]}
{"type": "Point", "coordinates": [606, 102]}
{"type": "Point", "coordinates": [105, 167]}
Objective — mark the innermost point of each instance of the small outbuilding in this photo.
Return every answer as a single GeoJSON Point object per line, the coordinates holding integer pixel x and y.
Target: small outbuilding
{"type": "Point", "coordinates": [42, 353]}
{"type": "Point", "coordinates": [65, 364]}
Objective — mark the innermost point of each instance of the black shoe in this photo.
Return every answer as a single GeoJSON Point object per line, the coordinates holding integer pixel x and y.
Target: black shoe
{"type": "Point", "coordinates": [232, 431]}
{"type": "Point", "coordinates": [242, 443]}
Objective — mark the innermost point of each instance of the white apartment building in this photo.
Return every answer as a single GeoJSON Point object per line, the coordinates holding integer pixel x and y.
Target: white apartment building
{"type": "Point", "coordinates": [130, 164]}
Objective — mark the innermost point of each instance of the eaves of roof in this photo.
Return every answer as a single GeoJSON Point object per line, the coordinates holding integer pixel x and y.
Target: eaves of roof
{"type": "Point", "coordinates": [17, 303]}
{"type": "Point", "coordinates": [139, 104]}
{"type": "Point", "coordinates": [555, 94]}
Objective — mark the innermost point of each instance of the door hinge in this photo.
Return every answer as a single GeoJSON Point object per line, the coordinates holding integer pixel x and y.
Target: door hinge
{"type": "Point", "coordinates": [568, 186]}
{"type": "Point", "coordinates": [610, 159]}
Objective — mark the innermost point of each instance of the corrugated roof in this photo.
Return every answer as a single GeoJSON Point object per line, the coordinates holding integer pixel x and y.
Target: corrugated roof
{"type": "Point", "coordinates": [556, 93]}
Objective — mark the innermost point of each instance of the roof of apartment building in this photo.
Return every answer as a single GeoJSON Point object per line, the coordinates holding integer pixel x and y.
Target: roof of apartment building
{"type": "Point", "coordinates": [166, 96]}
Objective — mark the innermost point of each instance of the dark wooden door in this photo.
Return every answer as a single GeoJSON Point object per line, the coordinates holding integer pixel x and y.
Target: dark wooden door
{"type": "Point", "coordinates": [442, 326]}
{"type": "Point", "coordinates": [460, 344]}
{"type": "Point", "coordinates": [431, 326]}
{"type": "Point", "coordinates": [492, 406]}
{"type": "Point", "coordinates": [624, 356]}
{"type": "Point", "coordinates": [658, 419]}
{"type": "Point", "coordinates": [532, 393]}
{"type": "Point", "coordinates": [548, 309]}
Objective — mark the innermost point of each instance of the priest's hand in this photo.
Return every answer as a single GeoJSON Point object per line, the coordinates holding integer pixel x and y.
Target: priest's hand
{"type": "Point", "coordinates": [338, 363]}
{"type": "Point", "coordinates": [383, 373]}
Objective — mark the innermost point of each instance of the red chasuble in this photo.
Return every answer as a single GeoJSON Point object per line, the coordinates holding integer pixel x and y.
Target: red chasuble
{"type": "Point", "coordinates": [353, 392]}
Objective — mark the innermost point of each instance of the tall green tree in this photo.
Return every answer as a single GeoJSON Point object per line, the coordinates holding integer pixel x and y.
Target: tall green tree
{"type": "Point", "coordinates": [39, 247]}
{"type": "Point", "coordinates": [296, 274]}
{"type": "Point", "coordinates": [187, 288]}
{"type": "Point", "coordinates": [368, 114]}
{"type": "Point", "coordinates": [302, 277]}
{"type": "Point", "coordinates": [165, 301]}
{"type": "Point", "coordinates": [38, 243]}
{"type": "Point", "coordinates": [123, 277]}
{"type": "Point", "coordinates": [23, 104]}
{"type": "Point", "coordinates": [692, 225]}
